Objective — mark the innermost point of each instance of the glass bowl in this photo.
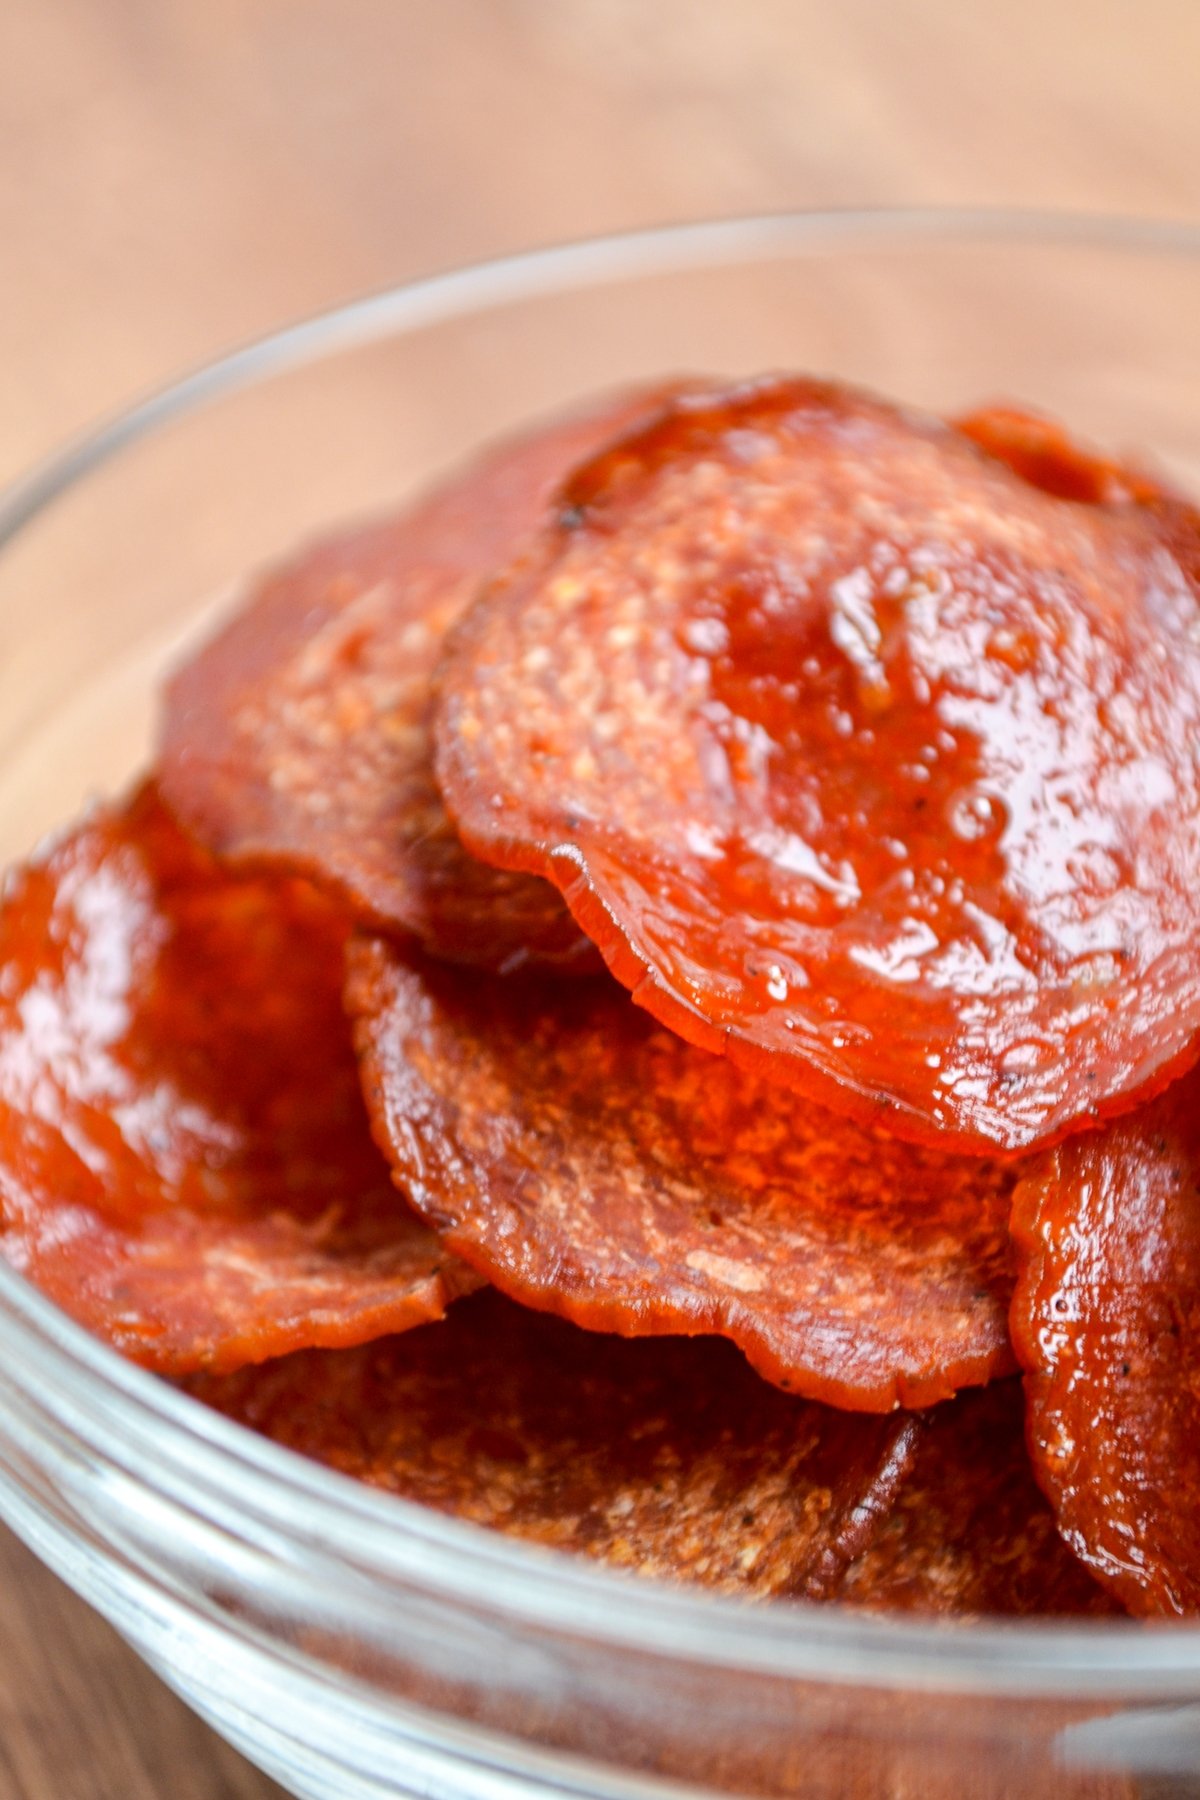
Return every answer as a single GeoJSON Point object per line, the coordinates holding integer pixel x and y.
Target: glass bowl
{"type": "Point", "coordinates": [349, 1643]}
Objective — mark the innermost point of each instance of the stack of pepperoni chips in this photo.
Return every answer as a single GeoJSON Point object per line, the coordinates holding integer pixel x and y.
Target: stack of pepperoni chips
{"type": "Point", "coordinates": [651, 1003]}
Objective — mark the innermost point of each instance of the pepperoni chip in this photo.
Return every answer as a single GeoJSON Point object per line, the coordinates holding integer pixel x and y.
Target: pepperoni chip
{"type": "Point", "coordinates": [185, 1165]}
{"type": "Point", "coordinates": [300, 736]}
{"type": "Point", "coordinates": [1106, 1321]}
{"type": "Point", "coordinates": [1040, 451]}
{"type": "Point", "coordinates": [593, 1164]}
{"type": "Point", "coordinates": [858, 756]}
{"type": "Point", "coordinates": [671, 1459]}
{"type": "Point", "coordinates": [969, 1533]}
{"type": "Point", "coordinates": [668, 1459]}
{"type": "Point", "coordinates": [1043, 453]}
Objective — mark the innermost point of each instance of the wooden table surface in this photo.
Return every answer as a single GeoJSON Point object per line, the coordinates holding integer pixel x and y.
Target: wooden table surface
{"type": "Point", "coordinates": [176, 175]}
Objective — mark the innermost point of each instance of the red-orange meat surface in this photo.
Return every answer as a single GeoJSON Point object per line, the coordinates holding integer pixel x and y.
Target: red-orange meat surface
{"type": "Point", "coordinates": [300, 736]}
{"type": "Point", "coordinates": [860, 757]}
{"type": "Point", "coordinates": [185, 1163]}
{"type": "Point", "coordinates": [969, 1532]}
{"type": "Point", "coordinates": [671, 1459]}
{"type": "Point", "coordinates": [1106, 1321]}
{"type": "Point", "coordinates": [591, 1163]}
{"type": "Point", "coordinates": [1042, 452]}
{"type": "Point", "coordinates": [668, 1459]}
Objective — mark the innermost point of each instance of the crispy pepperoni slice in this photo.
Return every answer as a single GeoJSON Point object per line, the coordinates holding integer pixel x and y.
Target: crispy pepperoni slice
{"type": "Point", "coordinates": [668, 1459]}
{"type": "Point", "coordinates": [1041, 451]}
{"type": "Point", "coordinates": [672, 1459]}
{"type": "Point", "coordinates": [185, 1164]}
{"type": "Point", "coordinates": [300, 736]}
{"type": "Point", "coordinates": [593, 1164]}
{"type": "Point", "coordinates": [860, 758]}
{"type": "Point", "coordinates": [1106, 1321]}
{"type": "Point", "coordinates": [969, 1533]}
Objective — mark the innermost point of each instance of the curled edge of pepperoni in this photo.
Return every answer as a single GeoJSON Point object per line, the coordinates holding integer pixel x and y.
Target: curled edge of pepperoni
{"type": "Point", "coordinates": [591, 1163]}
{"type": "Point", "coordinates": [1106, 1324]}
{"type": "Point", "coordinates": [603, 699]}
{"type": "Point", "coordinates": [299, 737]}
{"type": "Point", "coordinates": [185, 1164]}
{"type": "Point", "coordinates": [969, 1533]}
{"type": "Point", "coordinates": [1042, 452]}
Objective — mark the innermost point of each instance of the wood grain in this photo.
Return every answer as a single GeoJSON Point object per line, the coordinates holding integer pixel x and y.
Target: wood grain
{"type": "Point", "coordinates": [82, 1719]}
{"type": "Point", "coordinates": [177, 176]}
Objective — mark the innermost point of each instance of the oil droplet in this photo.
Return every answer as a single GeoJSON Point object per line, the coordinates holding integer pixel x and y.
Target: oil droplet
{"type": "Point", "coordinates": [1015, 649]}
{"type": "Point", "coordinates": [707, 637]}
{"type": "Point", "coordinates": [977, 816]}
{"type": "Point", "coordinates": [1024, 1057]}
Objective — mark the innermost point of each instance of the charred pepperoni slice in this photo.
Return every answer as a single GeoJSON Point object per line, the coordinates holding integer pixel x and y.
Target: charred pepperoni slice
{"type": "Point", "coordinates": [860, 758]}
{"type": "Point", "coordinates": [300, 736]}
{"type": "Point", "coordinates": [1106, 1321]}
{"type": "Point", "coordinates": [185, 1164]}
{"type": "Point", "coordinates": [592, 1163]}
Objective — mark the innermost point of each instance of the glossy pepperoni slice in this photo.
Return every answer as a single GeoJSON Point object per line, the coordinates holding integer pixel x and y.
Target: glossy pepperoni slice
{"type": "Point", "coordinates": [1041, 451]}
{"type": "Point", "coordinates": [591, 1163]}
{"type": "Point", "coordinates": [968, 1532]}
{"type": "Point", "coordinates": [860, 758]}
{"type": "Point", "coordinates": [668, 1459]}
{"type": "Point", "coordinates": [300, 736]}
{"type": "Point", "coordinates": [185, 1164]}
{"type": "Point", "coordinates": [1106, 1321]}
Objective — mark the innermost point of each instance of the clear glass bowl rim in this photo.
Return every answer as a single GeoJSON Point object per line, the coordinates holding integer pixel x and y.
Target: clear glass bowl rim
{"type": "Point", "coordinates": [332, 1516]}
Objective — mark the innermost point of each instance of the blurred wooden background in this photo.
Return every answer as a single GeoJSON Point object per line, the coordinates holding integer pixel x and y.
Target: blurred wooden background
{"type": "Point", "coordinates": [177, 175]}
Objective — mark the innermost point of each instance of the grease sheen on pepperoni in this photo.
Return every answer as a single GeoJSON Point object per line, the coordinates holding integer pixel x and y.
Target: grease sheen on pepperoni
{"type": "Point", "coordinates": [592, 1163]}
{"type": "Point", "coordinates": [185, 1164]}
{"type": "Point", "coordinates": [1042, 452]}
{"type": "Point", "coordinates": [299, 737]}
{"type": "Point", "coordinates": [1106, 1321]}
{"type": "Point", "coordinates": [668, 1459]}
{"type": "Point", "coordinates": [860, 757]}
